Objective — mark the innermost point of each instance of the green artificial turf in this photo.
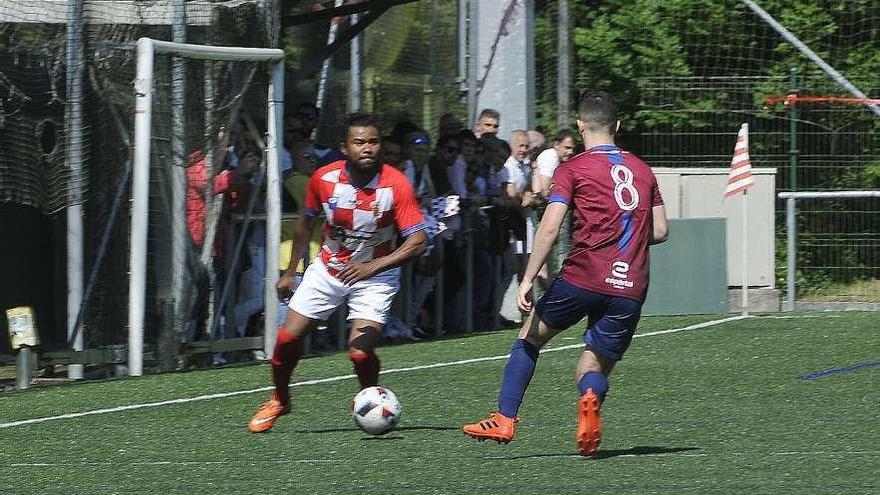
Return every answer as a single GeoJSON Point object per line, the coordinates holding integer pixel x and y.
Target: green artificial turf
{"type": "Point", "coordinates": [722, 409]}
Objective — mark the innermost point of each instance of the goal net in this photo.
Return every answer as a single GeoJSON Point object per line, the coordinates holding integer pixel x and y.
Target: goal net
{"type": "Point", "coordinates": [67, 124]}
{"type": "Point", "coordinates": [206, 143]}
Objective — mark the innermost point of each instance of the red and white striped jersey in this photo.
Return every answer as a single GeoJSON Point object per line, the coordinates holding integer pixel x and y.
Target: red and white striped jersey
{"type": "Point", "coordinates": [361, 222]}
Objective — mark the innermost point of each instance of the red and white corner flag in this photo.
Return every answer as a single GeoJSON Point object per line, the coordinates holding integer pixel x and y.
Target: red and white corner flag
{"type": "Point", "coordinates": [740, 177]}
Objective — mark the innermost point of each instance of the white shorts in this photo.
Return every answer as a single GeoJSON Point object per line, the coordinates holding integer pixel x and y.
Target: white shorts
{"type": "Point", "coordinates": [319, 294]}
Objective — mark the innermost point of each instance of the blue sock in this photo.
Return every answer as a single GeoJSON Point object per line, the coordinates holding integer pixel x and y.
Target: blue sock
{"type": "Point", "coordinates": [517, 375]}
{"type": "Point", "coordinates": [596, 381]}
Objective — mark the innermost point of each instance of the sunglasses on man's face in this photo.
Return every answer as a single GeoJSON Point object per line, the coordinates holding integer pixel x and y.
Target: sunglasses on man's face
{"type": "Point", "coordinates": [421, 140]}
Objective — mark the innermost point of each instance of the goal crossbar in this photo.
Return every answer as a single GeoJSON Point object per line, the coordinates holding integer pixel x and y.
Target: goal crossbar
{"type": "Point", "coordinates": [146, 50]}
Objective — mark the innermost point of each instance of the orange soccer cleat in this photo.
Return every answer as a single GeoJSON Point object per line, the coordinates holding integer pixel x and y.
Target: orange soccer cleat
{"type": "Point", "coordinates": [266, 415]}
{"type": "Point", "coordinates": [496, 427]}
{"type": "Point", "coordinates": [589, 432]}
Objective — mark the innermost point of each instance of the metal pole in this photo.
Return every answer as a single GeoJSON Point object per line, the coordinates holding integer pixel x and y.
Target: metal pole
{"type": "Point", "coordinates": [469, 272]}
{"type": "Point", "coordinates": [24, 368]}
{"type": "Point", "coordinates": [745, 247]}
{"type": "Point", "coordinates": [530, 63]}
{"type": "Point", "coordinates": [462, 44]}
{"type": "Point", "coordinates": [816, 59]}
{"type": "Point", "coordinates": [180, 235]}
{"type": "Point", "coordinates": [563, 75]}
{"type": "Point", "coordinates": [792, 132]}
{"type": "Point", "coordinates": [140, 191]}
{"type": "Point", "coordinates": [473, 56]}
{"type": "Point", "coordinates": [273, 204]}
{"type": "Point", "coordinates": [73, 154]}
{"type": "Point", "coordinates": [355, 71]}
{"type": "Point", "coordinates": [212, 203]}
{"type": "Point", "coordinates": [323, 79]}
{"type": "Point", "coordinates": [438, 290]}
{"type": "Point", "coordinates": [790, 252]}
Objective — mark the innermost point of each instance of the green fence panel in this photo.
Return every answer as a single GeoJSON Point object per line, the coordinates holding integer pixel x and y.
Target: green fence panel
{"type": "Point", "coordinates": [689, 271]}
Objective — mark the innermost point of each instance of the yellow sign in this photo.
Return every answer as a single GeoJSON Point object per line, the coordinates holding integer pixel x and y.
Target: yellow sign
{"type": "Point", "coordinates": [22, 330]}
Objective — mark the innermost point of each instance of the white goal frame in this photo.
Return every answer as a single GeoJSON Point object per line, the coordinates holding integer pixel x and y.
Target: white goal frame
{"type": "Point", "coordinates": [146, 50]}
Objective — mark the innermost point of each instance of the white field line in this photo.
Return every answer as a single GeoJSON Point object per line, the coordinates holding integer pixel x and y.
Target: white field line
{"type": "Point", "coordinates": [331, 379]}
{"type": "Point", "coordinates": [341, 460]}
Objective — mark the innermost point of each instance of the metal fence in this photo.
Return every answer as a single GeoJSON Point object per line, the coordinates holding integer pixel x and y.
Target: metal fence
{"type": "Point", "coordinates": [832, 250]}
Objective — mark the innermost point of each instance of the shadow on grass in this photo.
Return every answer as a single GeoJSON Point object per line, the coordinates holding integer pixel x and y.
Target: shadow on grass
{"type": "Point", "coordinates": [605, 454]}
{"type": "Point", "coordinates": [400, 429]}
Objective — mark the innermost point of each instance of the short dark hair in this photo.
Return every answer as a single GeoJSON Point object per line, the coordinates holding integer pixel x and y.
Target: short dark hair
{"type": "Point", "coordinates": [357, 119]}
{"type": "Point", "coordinates": [597, 110]}
{"type": "Point", "coordinates": [491, 113]}
{"type": "Point", "coordinates": [563, 134]}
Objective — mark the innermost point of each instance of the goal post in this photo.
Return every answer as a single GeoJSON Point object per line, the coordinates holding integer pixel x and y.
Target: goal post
{"type": "Point", "coordinates": [147, 50]}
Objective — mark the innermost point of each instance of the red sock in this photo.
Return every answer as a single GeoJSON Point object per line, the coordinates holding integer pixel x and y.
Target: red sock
{"type": "Point", "coordinates": [288, 350]}
{"type": "Point", "coordinates": [366, 365]}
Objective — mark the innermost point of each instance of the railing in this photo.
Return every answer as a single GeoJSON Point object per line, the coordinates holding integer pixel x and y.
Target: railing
{"type": "Point", "coordinates": [792, 235]}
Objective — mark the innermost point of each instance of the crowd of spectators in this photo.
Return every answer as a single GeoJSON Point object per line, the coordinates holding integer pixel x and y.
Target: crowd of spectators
{"type": "Point", "coordinates": [499, 182]}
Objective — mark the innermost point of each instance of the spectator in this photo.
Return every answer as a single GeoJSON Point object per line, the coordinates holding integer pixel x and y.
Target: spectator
{"type": "Point", "coordinates": [443, 162]}
{"type": "Point", "coordinates": [536, 144]}
{"type": "Point", "coordinates": [487, 123]}
{"type": "Point", "coordinates": [449, 124]}
{"type": "Point", "coordinates": [235, 180]}
{"type": "Point", "coordinates": [391, 152]}
{"type": "Point", "coordinates": [549, 159]}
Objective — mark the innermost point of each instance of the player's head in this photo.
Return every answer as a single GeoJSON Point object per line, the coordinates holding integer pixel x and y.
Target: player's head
{"type": "Point", "coordinates": [361, 140]}
{"type": "Point", "coordinates": [488, 122]}
{"type": "Point", "coordinates": [597, 113]}
{"type": "Point", "coordinates": [563, 143]}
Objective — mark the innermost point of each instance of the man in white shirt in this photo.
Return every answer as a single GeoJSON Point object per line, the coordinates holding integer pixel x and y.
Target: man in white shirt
{"type": "Point", "coordinates": [549, 159]}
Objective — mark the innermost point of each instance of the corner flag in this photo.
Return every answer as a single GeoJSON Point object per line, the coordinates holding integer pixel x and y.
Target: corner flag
{"type": "Point", "coordinates": [740, 177]}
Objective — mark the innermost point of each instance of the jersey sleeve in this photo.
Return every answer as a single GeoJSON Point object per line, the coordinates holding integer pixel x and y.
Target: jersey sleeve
{"type": "Point", "coordinates": [561, 186]}
{"type": "Point", "coordinates": [407, 215]}
{"type": "Point", "coordinates": [312, 207]}
{"type": "Point", "coordinates": [656, 197]}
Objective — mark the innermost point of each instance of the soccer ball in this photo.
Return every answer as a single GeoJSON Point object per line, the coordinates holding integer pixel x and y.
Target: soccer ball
{"type": "Point", "coordinates": [376, 410]}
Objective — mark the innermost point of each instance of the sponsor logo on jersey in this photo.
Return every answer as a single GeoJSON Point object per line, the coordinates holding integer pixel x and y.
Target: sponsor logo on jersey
{"type": "Point", "coordinates": [618, 283]}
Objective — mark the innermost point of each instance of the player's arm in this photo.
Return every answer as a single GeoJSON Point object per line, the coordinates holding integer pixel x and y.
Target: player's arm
{"type": "Point", "coordinates": [660, 225]}
{"type": "Point", "coordinates": [548, 230]}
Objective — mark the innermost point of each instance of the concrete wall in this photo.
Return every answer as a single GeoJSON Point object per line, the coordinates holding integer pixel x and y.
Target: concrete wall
{"type": "Point", "coordinates": [699, 193]}
{"type": "Point", "coordinates": [505, 62]}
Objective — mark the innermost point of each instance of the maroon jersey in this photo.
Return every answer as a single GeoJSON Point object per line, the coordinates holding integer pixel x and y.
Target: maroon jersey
{"type": "Point", "coordinates": [611, 193]}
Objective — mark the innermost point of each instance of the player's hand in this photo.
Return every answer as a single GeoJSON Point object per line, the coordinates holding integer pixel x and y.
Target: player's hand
{"type": "Point", "coordinates": [285, 286]}
{"type": "Point", "coordinates": [524, 296]}
{"type": "Point", "coordinates": [355, 271]}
